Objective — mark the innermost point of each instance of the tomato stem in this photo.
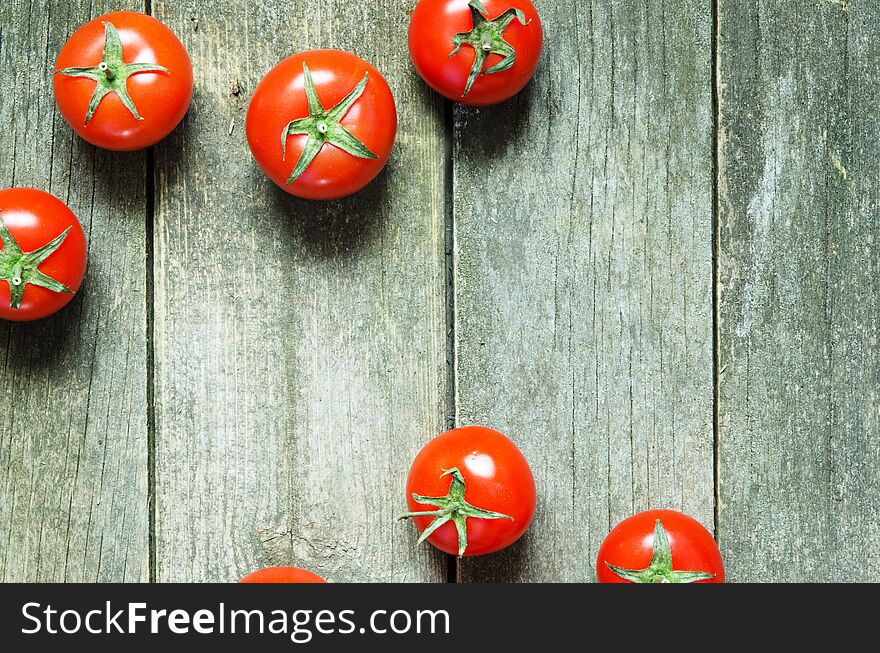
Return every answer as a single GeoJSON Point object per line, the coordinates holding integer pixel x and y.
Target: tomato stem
{"type": "Point", "coordinates": [107, 70]}
{"type": "Point", "coordinates": [452, 507]}
{"type": "Point", "coordinates": [487, 37]}
{"type": "Point", "coordinates": [323, 126]}
{"type": "Point", "coordinates": [660, 568]}
{"type": "Point", "coordinates": [112, 74]}
{"type": "Point", "coordinates": [20, 268]}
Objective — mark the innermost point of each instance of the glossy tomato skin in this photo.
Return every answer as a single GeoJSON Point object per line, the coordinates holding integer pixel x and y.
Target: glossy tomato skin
{"type": "Point", "coordinates": [35, 218]}
{"type": "Point", "coordinates": [280, 97]}
{"type": "Point", "coordinates": [630, 545]}
{"type": "Point", "coordinates": [435, 22]}
{"type": "Point", "coordinates": [498, 478]}
{"type": "Point", "coordinates": [282, 575]}
{"type": "Point", "coordinates": [162, 99]}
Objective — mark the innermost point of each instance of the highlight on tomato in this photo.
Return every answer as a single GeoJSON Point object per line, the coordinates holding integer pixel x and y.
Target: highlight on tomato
{"type": "Point", "coordinates": [470, 492]}
{"type": "Point", "coordinates": [282, 575]}
{"type": "Point", "coordinates": [123, 81]}
{"type": "Point", "coordinates": [659, 546]}
{"type": "Point", "coordinates": [42, 254]}
{"type": "Point", "coordinates": [476, 52]}
{"type": "Point", "coordinates": [321, 124]}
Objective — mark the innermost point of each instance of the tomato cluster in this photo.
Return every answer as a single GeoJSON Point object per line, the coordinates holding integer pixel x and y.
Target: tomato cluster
{"type": "Point", "coordinates": [322, 125]}
{"type": "Point", "coordinates": [471, 492]}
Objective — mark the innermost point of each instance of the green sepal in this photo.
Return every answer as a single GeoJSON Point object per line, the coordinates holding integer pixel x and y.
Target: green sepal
{"type": "Point", "coordinates": [452, 507]}
{"type": "Point", "coordinates": [112, 74]}
{"type": "Point", "coordinates": [487, 37]}
{"type": "Point", "coordinates": [660, 568]}
{"type": "Point", "coordinates": [19, 268]}
{"type": "Point", "coordinates": [323, 126]}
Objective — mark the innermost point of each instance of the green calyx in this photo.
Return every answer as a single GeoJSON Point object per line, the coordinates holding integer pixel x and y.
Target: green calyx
{"type": "Point", "coordinates": [323, 126]}
{"type": "Point", "coordinates": [112, 73]}
{"type": "Point", "coordinates": [660, 570]}
{"type": "Point", "coordinates": [487, 37]}
{"type": "Point", "coordinates": [452, 507]}
{"type": "Point", "coordinates": [20, 268]}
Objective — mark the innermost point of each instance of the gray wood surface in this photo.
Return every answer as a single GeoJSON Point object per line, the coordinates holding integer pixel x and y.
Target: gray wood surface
{"type": "Point", "coordinates": [583, 221]}
{"type": "Point", "coordinates": [300, 346]}
{"type": "Point", "coordinates": [73, 428]}
{"type": "Point", "coordinates": [799, 277]}
{"type": "Point", "coordinates": [245, 377]}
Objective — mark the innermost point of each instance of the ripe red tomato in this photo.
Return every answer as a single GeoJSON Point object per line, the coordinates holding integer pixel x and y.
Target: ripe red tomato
{"type": "Point", "coordinates": [321, 124]}
{"type": "Point", "coordinates": [659, 546]}
{"type": "Point", "coordinates": [282, 575]}
{"type": "Point", "coordinates": [42, 254]}
{"type": "Point", "coordinates": [123, 81]}
{"type": "Point", "coordinates": [476, 52]}
{"type": "Point", "coordinates": [470, 492]}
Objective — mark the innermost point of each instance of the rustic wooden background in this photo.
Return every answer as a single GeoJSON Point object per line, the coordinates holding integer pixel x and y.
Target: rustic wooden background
{"type": "Point", "coordinates": [657, 269]}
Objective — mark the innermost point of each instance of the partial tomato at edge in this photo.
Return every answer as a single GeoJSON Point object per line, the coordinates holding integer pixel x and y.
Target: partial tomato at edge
{"type": "Point", "coordinates": [659, 546]}
{"type": "Point", "coordinates": [282, 575]}
{"type": "Point", "coordinates": [90, 59]}
{"type": "Point", "coordinates": [332, 145]}
{"type": "Point", "coordinates": [481, 477]}
{"type": "Point", "coordinates": [47, 265]}
{"type": "Point", "coordinates": [439, 27]}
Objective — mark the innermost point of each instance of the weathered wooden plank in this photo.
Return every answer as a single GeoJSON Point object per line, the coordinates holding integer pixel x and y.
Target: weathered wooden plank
{"type": "Point", "coordinates": [583, 222]}
{"type": "Point", "coordinates": [583, 276]}
{"type": "Point", "coordinates": [799, 286]}
{"type": "Point", "coordinates": [73, 425]}
{"type": "Point", "coordinates": [300, 346]}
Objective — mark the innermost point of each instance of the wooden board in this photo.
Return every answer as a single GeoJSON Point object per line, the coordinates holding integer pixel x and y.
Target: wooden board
{"type": "Point", "coordinates": [73, 426]}
{"type": "Point", "coordinates": [300, 346]}
{"type": "Point", "coordinates": [799, 285]}
{"type": "Point", "coordinates": [245, 377]}
{"type": "Point", "coordinates": [583, 221]}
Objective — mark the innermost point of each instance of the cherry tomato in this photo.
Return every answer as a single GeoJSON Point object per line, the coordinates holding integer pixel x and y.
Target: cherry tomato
{"type": "Point", "coordinates": [123, 81]}
{"type": "Point", "coordinates": [476, 52]}
{"type": "Point", "coordinates": [282, 575]}
{"type": "Point", "coordinates": [42, 254]}
{"type": "Point", "coordinates": [470, 492]}
{"type": "Point", "coordinates": [321, 124]}
{"type": "Point", "coordinates": [659, 546]}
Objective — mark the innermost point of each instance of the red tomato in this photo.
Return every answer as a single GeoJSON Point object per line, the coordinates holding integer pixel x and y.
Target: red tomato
{"type": "Point", "coordinates": [471, 492]}
{"type": "Point", "coordinates": [321, 124]}
{"type": "Point", "coordinates": [659, 546]}
{"type": "Point", "coordinates": [474, 52]}
{"type": "Point", "coordinates": [123, 81]}
{"type": "Point", "coordinates": [42, 254]}
{"type": "Point", "coordinates": [282, 575]}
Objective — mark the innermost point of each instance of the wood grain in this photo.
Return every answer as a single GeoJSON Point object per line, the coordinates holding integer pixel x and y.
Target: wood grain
{"type": "Point", "coordinates": [73, 425]}
{"type": "Point", "coordinates": [583, 221]}
{"type": "Point", "coordinates": [799, 285]}
{"type": "Point", "coordinates": [300, 346]}
{"type": "Point", "coordinates": [300, 349]}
